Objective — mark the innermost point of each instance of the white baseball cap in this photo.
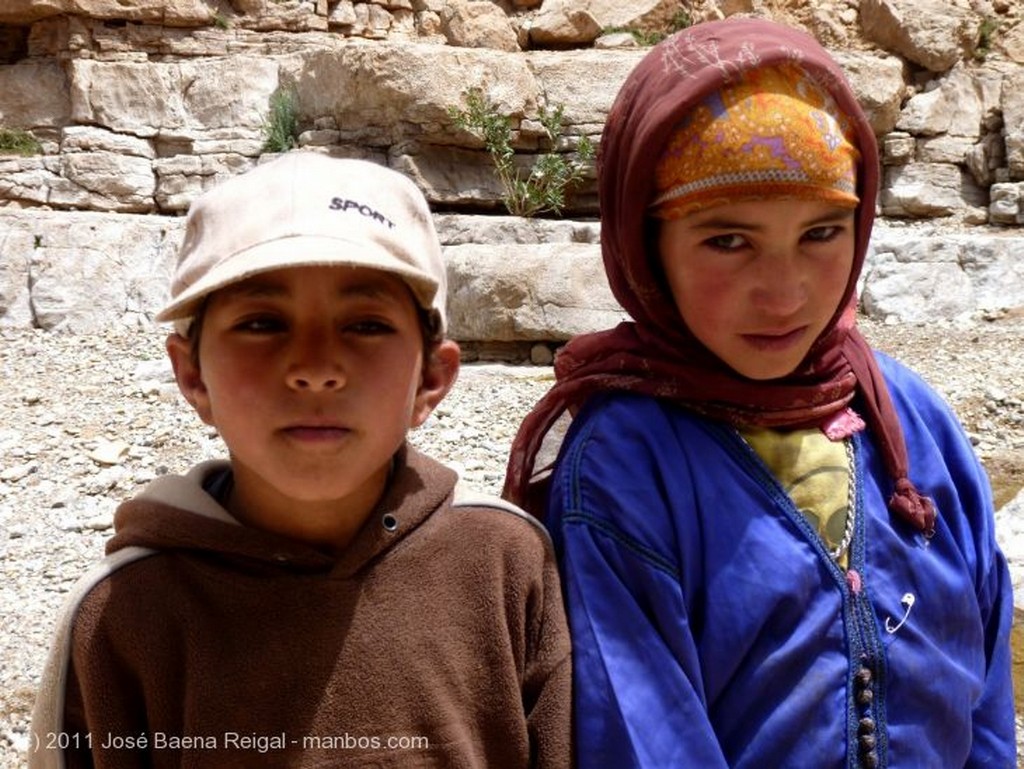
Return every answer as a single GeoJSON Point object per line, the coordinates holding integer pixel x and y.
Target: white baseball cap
{"type": "Point", "coordinates": [307, 209]}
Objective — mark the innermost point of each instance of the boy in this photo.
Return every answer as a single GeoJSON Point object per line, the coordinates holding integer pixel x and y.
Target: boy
{"type": "Point", "coordinates": [317, 599]}
{"type": "Point", "coordinates": [777, 546]}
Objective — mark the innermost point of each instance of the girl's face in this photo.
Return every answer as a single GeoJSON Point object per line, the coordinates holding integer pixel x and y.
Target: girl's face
{"type": "Point", "coordinates": [758, 282]}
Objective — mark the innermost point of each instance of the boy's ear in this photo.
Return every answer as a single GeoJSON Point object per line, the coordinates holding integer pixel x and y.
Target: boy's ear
{"type": "Point", "coordinates": [440, 370]}
{"type": "Point", "coordinates": [188, 375]}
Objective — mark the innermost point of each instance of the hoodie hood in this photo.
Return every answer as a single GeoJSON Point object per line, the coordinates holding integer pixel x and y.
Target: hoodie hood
{"type": "Point", "coordinates": [175, 512]}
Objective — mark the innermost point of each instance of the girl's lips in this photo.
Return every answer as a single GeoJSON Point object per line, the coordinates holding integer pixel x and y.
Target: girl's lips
{"type": "Point", "coordinates": [775, 342]}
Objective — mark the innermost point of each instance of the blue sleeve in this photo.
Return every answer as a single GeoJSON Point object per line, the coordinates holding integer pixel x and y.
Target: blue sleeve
{"type": "Point", "coordinates": [994, 742]}
{"type": "Point", "coordinates": [639, 698]}
{"type": "Point", "coordinates": [927, 418]}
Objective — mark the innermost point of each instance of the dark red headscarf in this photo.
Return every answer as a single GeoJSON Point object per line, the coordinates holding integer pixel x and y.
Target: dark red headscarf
{"type": "Point", "coordinates": [655, 354]}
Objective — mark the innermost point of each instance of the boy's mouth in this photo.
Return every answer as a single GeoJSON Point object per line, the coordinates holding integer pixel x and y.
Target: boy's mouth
{"type": "Point", "coordinates": [316, 432]}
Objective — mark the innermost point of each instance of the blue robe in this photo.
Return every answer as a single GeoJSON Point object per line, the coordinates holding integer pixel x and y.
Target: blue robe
{"type": "Point", "coordinates": [711, 629]}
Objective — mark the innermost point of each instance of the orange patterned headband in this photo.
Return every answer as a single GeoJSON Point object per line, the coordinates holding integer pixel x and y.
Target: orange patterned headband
{"type": "Point", "coordinates": [773, 134]}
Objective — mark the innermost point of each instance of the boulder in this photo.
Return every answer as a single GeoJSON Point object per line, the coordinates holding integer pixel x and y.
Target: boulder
{"type": "Point", "coordinates": [457, 230]}
{"type": "Point", "coordinates": [89, 139]}
{"type": "Point", "coordinates": [915, 275]}
{"type": "Point", "coordinates": [926, 114]}
{"type": "Point", "coordinates": [168, 12]}
{"type": "Point", "coordinates": [935, 34]}
{"type": "Point", "coordinates": [143, 99]}
{"type": "Point", "coordinates": [17, 246]}
{"type": "Point", "coordinates": [85, 271]}
{"type": "Point", "coordinates": [478, 24]}
{"type": "Point", "coordinates": [1013, 121]}
{"type": "Point", "coordinates": [585, 83]}
{"type": "Point", "coordinates": [512, 293]}
{"type": "Point", "coordinates": [105, 181]}
{"type": "Point", "coordinates": [878, 83]}
{"type": "Point", "coordinates": [181, 179]}
{"type": "Point", "coordinates": [28, 181]}
{"type": "Point", "coordinates": [612, 14]}
{"type": "Point", "coordinates": [1006, 204]}
{"type": "Point", "coordinates": [1011, 43]}
{"type": "Point", "coordinates": [929, 190]}
{"type": "Point", "coordinates": [563, 28]}
{"type": "Point", "coordinates": [963, 102]}
{"type": "Point", "coordinates": [34, 94]}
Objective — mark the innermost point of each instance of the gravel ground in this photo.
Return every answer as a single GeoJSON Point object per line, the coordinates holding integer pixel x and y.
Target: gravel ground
{"type": "Point", "coordinates": [86, 420]}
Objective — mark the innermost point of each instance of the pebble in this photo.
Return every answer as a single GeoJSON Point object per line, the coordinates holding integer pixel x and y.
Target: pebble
{"type": "Point", "coordinates": [18, 472]}
{"type": "Point", "coordinates": [109, 452]}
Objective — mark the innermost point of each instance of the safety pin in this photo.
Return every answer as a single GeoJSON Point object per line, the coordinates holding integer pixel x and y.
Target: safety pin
{"type": "Point", "coordinates": [908, 601]}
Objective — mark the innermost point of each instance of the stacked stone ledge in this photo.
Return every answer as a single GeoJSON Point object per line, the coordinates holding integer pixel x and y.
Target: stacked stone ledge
{"type": "Point", "coordinates": [140, 110]}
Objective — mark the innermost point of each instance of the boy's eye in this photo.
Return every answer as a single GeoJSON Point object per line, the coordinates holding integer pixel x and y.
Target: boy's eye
{"type": "Point", "coordinates": [261, 325]}
{"type": "Point", "coordinates": [369, 327]}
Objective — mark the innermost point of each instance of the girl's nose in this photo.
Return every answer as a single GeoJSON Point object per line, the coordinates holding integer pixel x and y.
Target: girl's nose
{"type": "Point", "coordinates": [781, 287]}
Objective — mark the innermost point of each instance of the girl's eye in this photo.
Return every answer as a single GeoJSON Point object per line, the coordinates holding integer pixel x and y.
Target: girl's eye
{"type": "Point", "coordinates": [730, 242]}
{"type": "Point", "coordinates": [822, 234]}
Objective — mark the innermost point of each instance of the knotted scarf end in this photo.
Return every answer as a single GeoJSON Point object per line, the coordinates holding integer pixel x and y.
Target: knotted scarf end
{"type": "Point", "coordinates": [914, 507]}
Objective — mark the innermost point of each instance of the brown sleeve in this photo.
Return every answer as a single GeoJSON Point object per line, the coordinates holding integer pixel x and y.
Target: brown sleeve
{"type": "Point", "coordinates": [104, 713]}
{"type": "Point", "coordinates": [78, 754]}
{"type": "Point", "coordinates": [547, 680]}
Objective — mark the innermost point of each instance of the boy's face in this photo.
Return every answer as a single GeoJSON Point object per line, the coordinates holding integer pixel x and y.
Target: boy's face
{"type": "Point", "coordinates": [312, 376]}
{"type": "Point", "coordinates": [757, 282]}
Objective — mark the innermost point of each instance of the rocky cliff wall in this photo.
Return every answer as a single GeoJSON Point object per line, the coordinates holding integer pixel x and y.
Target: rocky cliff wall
{"type": "Point", "coordinates": [139, 107]}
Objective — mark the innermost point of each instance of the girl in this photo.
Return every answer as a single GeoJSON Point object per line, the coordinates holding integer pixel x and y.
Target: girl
{"type": "Point", "coordinates": [752, 577]}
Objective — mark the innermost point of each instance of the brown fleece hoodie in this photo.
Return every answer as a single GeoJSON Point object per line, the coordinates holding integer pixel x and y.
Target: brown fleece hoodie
{"type": "Point", "coordinates": [437, 639]}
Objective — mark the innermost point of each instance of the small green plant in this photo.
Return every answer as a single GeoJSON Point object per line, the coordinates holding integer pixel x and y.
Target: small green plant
{"type": "Point", "coordinates": [681, 20]}
{"type": "Point", "coordinates": [552, 173]}
{"type": "Point", "coordinates": [648, 38]}
{"type": "Point", "coordinates": [220, 21]}
{"type": "Point", "coordinates": [281, 128]}
{"type": "Point", "coordinates": [17, 142]}
{"type": "Point", "coordinates": [986, 31]}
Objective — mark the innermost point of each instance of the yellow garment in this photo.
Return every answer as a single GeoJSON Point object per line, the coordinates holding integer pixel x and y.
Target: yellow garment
{"type": "Point", "coordinates": [814, 471]}
{"type": "Point", "coordinates": [773, 133]}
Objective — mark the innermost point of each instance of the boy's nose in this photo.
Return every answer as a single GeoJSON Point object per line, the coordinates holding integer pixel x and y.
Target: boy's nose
{"type": "Point", "coordinates": [315, 381]}
{"type": "Point", "coordinates": [315, 366]}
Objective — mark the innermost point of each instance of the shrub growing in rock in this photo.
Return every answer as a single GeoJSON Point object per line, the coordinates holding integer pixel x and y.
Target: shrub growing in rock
{"type": "Point", "coordinates": [552, 174]}
{"type": "Point", "coordinates": [281, 129]}
{"type": "Point", "coordinates": [18, 142]}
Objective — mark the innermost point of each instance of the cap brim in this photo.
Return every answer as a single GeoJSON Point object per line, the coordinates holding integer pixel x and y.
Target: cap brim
{"type": "Point", "coordinates": [298, 251]}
